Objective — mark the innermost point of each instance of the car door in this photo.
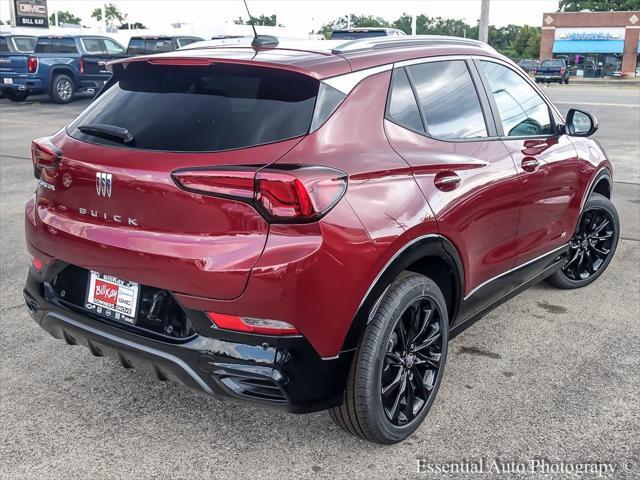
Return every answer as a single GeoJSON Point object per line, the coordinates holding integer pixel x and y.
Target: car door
{"type": "Point", "coordinates": [98, 51]}
{"type": "Point", "coordinates": [547, 163]}
{"type": "Point", "coordinates": [466, 173]}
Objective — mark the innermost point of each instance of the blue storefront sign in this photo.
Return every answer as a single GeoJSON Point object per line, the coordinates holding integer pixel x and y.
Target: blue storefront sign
{"type": "Point", "coordinates": [588, 46]}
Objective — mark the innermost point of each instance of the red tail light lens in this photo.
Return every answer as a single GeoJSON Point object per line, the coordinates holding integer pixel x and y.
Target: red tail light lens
{"type": "Point", "coordinates": [37, 264]}
{"type": "Point", "coordinates": [81, 65]}
{"type": "Point", "coordinates": [44, 154]}
{"type": "Point", "coordinates": [252, 325]}
{"type": "Point", "coordinates": [32, 64]}
{"type": "Point", "coordinates": [562, 71]}
{"type": "Point", "coordinates": [297, 194]}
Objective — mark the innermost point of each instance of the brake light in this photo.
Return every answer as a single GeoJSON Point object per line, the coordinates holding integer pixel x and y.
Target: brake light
{"type": "Point", "coordinates": [282, 194]}
{"type": "Point", "coordinates": [32, 64]}
{"type": "Point", "coordinates": [45, 155]}
{"type": "Point", "coordinates": [252, 325]}
{"type": "Point", "coordinates": [562, 71]}
{"type": "Point", "coordinates": [81, 65]}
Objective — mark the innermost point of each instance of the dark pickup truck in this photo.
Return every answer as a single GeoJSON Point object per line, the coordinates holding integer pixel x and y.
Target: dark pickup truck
{"type": "Point", "coordinates": [14, 50]}
{"type": "Point", "coordinates": [63, 65]}
{"type": "Point", "coordinates": [148, 45]}
{"type": "Point", "coordinates": [552, 71]}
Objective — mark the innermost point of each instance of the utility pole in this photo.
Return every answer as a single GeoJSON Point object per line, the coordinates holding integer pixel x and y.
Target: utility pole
{"type": "Point", "coordinates": [483, 29]}
{"type": "Point", "coordinates": [413, 24]}
{"type": "Point", "coordinates": [104, 18]}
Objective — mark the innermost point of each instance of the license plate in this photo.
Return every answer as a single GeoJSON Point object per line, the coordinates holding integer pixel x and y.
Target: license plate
{"type": "Point", "coordinates": [7, 81]}
{"type": "Point", "coordinates": [112, 297]}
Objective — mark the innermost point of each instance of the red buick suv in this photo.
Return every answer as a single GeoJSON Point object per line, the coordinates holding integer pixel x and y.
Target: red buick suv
{"type": "Point", "coordinates": [306, 226]}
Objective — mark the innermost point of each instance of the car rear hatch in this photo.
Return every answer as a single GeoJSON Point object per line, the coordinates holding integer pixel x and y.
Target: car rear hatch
{"type": "Point", "coordinates": [108, 202]}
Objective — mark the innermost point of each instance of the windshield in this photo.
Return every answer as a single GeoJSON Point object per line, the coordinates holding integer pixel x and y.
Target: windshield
{"type": "Point", "coordinates": [200, 109]}
{"type": "Point", "coordinates": [357, 34]}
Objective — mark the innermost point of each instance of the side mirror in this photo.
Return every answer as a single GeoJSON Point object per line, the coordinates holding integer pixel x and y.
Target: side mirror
{"type": "Point", "coordinates": [581, 124]}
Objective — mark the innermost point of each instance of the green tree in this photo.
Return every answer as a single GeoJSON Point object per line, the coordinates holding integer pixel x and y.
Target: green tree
{"type": "Point", "coordinates": [267, 21]}
{"type": "Point", "coordinates": [527, 42]}
{"type": "Point", "coordinates": [64, 17]}
{"type": "Point", "coordinates": [598, 5]}
{"type": "Point", "coordinates": [132, 26]}
{"type": "Point", "coordinates": [112, 14]}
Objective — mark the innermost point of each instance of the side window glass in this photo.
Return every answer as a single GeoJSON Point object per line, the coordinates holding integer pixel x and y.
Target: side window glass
{"type": "Point", "coordinates": [522, 111]}
{"type": "Point", "coordinates": [403, 108]}
{"type": "Point", "coordinates": [113, 47]}
{"type": "Point", "coordinates": [448, 99]}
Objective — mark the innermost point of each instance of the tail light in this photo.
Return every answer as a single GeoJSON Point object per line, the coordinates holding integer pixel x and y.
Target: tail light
{"type": "Point", "coordinates": [562, 71]}
{"type": "Point", "coordinates": [32, 64]}
{"type": "Point", "coordinates": [81, 68]}
{"type": "Point", "coordinates": [252, 325]}
{"type": "Point", "coordinates": [45, 155]}
{"type": "Point", "coordinates": [295, 194]}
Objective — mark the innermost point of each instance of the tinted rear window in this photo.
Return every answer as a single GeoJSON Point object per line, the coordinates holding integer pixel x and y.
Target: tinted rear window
{"type": "Point", "coordinates": [4, 46]}
{"type": "Point", "coordinates": [356, 35]}
{"type": "Point", "coordinates": [24, 44]}
{"type": "Point", "coordinates": [552, 63]}
{"type": "Point", "coordinates": [56, 45]}
{"type": "Point", "coordinates": [202, 109]}
{"type": "Point", "coordinates": [143, 46]}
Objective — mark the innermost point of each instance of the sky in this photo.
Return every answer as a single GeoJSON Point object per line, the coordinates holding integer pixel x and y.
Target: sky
{"type": "Point", "coordinates": [304, 14]}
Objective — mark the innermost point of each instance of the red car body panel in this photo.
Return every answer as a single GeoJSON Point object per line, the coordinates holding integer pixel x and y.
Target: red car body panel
{"type": "Point", "coordinates": [220, 255]}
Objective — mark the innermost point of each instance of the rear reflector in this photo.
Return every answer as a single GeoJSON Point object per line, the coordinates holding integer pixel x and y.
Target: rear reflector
{"type": "Point", "coordinates": [282, 194]}
{"type": "Point", "coordinates": [44, 154]}
{"type": "Point", "coordinates": [37, 264]}
{"type": "Point", "coordinates": [252, 325]}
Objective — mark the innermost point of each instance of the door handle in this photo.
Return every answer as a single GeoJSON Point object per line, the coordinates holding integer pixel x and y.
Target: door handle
{"type": "Point", "coordinates": [530, 164]}
{"type": "Point", "coordinates": [446, 181]}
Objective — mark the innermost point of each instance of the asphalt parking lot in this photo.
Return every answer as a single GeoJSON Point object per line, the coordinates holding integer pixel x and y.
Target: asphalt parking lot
{"type": "Point", "coordinates": [550, 375]}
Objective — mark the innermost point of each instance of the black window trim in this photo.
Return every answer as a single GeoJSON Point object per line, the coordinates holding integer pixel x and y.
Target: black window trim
{"type": "Point", "coordinates": [556, 126]}
{"type": "Point", "coordinates": [487, 113]}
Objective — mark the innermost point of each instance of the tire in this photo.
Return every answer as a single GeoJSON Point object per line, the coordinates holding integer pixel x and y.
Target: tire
{"type": "Point", "coordinates": [407, 377]}
{"type": "Point", "coordinates": [18, 96]}
{"type": "Point", "coordinates": [566, 81]}
{"type": "Point", "coordinates": [62, 88]}
{"type": "Point", "coordinates": [586, 261]}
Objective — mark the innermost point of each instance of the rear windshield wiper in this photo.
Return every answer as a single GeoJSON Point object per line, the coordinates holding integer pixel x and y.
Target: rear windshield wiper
{"type": "Point", "coordinates": [108, 131]}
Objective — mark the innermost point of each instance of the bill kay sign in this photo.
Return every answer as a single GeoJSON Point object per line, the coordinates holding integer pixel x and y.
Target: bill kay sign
{"type": "Point", "coordinates": [30, 13]}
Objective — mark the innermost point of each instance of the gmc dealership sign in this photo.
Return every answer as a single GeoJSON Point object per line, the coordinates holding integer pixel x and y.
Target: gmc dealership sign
{"type": "Point", "coordinates": [30, 13]}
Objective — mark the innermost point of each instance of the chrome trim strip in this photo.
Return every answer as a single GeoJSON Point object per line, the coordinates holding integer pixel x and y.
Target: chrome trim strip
{"type": "Point", "coordinates": [514, 269]}
{"type": "Point", "coordinates": [347, 82]}
{"type": "Point", "coordinates": [390, 261]}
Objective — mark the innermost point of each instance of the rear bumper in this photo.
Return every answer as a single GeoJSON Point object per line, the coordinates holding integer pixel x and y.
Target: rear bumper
{"type": "Point", "coordinates": [29, 84]}
{"type": "Point", "coordinates": [549, 77]}
{"type": "Point", "coordinates": [279, 372]}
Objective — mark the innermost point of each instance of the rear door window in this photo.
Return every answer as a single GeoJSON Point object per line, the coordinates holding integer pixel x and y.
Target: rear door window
{"type": "Point", "coordinates": [24, 44]}
{"type": "Point", "coordinates": [202, 109]}
{"type": "Point", "coordinates": [448, 100]}
{"type": "Point", "coordinates": [56, 45]}
{"type": "Point", "coordinates": [403, 107]}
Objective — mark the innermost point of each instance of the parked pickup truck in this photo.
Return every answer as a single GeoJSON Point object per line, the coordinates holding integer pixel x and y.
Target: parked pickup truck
{"type": "Point", "coordinates": [14, 52]}
{"type": "Point", "coordinates": [63, 65]}
{"type": "Point", "coordinates": [552, 71]}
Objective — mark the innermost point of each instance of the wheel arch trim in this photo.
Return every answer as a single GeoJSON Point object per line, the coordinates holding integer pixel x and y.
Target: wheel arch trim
{"type": "Point", "coordinates": [602, 174]}
{"type": "Point", "coordinates": [415, 249]}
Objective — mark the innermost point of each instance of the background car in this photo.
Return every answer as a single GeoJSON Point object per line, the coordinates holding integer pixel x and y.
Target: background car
{"type": "Point", "coordinates": [554, 70]}
{"type": "Point", "coordinates": [356, 33]}
{"type": "Point", "coordinates": [13, 60]}
{"type": "Point", "coordinates": [529, 65]}
{"type": "Point", "coordinates": [63, 65]}
{"type": "Point", "coordinates": [146, 45]}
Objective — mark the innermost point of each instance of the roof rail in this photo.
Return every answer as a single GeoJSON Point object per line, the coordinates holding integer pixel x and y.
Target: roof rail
{"type": "Point", "coordinates": [376, 43]}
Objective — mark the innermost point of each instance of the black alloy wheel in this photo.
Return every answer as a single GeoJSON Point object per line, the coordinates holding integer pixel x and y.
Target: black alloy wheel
{"type": "Point", "coordinates": [411, 362]}
{"type": "Point", "coordinates": [591, 245]}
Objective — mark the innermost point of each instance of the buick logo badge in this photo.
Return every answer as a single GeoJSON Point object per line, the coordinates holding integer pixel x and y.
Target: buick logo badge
{"type": "Point", "coordinates": [103, 184]}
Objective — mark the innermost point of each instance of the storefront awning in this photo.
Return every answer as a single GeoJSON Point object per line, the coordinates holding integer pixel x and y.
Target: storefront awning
{"type": "Point", "coordinates": [588, 46]}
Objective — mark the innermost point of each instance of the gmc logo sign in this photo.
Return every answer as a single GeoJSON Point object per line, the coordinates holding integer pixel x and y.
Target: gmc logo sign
{"type": "Point", "coordinates": [28, 8]}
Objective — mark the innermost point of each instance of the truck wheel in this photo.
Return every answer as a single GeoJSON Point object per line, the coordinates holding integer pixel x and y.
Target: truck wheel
{"type": "Point", "coordinates": [62, 89]}
{"type": "Point", "coordinates": [395, 375]}
{"type": "Point", "coordinates": [566, 81]}
{"type": "Point", "coordinates": [17, 96]}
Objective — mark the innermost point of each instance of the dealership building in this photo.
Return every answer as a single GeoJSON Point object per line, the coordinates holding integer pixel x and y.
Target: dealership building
{"type": "Point", "coordinates": [594, 44]}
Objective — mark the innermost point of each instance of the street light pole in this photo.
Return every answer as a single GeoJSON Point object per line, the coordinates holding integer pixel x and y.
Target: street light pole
{"type": "Point", "coordinates": [483, 29]}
